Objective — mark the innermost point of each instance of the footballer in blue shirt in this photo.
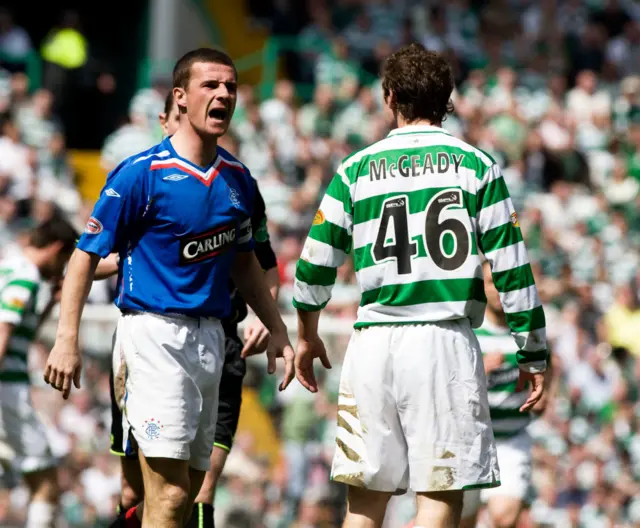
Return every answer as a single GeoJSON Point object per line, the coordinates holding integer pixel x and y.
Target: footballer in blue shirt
{"type": "Point", "coordinates": [179, 216]}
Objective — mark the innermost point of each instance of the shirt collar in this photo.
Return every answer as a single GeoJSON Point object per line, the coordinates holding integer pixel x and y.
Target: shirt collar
{"type": "Point", "coordinates": [417, 129]}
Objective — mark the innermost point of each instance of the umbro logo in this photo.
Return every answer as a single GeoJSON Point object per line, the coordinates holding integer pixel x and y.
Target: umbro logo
{"type": "Point", "coordinates": [112, 193]}
{"type": "Point", "coordinates": [175, 177]}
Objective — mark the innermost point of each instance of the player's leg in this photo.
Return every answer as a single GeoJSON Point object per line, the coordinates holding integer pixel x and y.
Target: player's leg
{"type": "Point", "coordinates": [442, 400]}
{"type": "Point", "coordinates": [164, 403]}
{"type": "Point", "coordinates": [167, 487]}
{"type": "Point", "coordinates": [203, 456]}
{"type": "Point", "coordinates": [26, 435]}
{"type": "Point", "coordinates": [365, 508]}
{"type": "Point", "coordinates": [440, 509]}
{"type": "Point", "coordinates": [229, 402]}
{"type": "Point", "coordinates": [131, 489]}
{"type": "Point", "coordinates": [505, 503]}
{"type": "Point", "coordinates": [371, 454]}
{"type": "Point", "coordinates": [470, 507]}
{"type": "Point", "coordinates": [45, 493]}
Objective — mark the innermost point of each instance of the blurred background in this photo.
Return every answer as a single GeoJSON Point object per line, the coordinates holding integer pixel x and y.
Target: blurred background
{"type": "Point", "coordinates": [550, 88]}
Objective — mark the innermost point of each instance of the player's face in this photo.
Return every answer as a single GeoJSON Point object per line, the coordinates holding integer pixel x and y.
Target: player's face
{"type": "Point", "coordinates": [493, 299]}
{"type": "Point", "coordinates": [171, 121]}
{"type": "Point", "coordinates": [209, 98]}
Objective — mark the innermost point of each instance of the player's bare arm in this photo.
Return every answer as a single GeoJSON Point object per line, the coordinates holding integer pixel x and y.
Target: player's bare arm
{"type": "Point", "coordinates": [309, 347]}
{"type": "Point", "coordinates": [107, 267]}
{"type": "Point", "coordinates": [492, 361]}
{"type": "Point", "coordinates": [256, 334]}
{"type": "Point", "coordinates": [249, 279]}
{"type": "Point", "coordinates": [65, 362]}
{"type": "Point", "coordinates": [6, 330]}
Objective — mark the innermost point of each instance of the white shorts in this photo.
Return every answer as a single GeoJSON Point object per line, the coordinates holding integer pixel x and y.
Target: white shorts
{"type": "Point", "coordinates": [413, 410]}
{"type": "Point", "coordinates": [21, 429]}
{"type": "Point", "coordinates": [166, 378]}
{"type": "Point", "coordinates": [514, 455]}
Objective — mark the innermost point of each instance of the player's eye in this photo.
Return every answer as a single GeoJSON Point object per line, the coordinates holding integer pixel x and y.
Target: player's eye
{"type": "Point", "coordinates": [232, 87]}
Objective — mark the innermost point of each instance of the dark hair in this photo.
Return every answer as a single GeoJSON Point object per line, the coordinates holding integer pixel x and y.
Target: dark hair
{"type": "Point", "coordinates": [420, 83]}
{"type": "Point", "coordinates": [56, 229]}
{"type": "Point", "coordinates": [182, 69]}
{"type": "Point", "coordinates": [168, 103]}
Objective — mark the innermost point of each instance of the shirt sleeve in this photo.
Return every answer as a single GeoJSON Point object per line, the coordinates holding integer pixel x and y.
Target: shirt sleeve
{"type": "Point", "coordinates": [264, 252]}
{"type": "Point", "coordinates": [121, 204]}
{"type": "Point", "coordinates": [326, 248]}
{"type": "Point", "coordinates": [246, 241]}
{"type": "Point", "coordinates": [500, 239]}
{"type": "Point", "coordinates": [15, 297]}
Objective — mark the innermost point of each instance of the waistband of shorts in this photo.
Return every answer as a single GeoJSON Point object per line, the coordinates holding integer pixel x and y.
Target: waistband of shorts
{"type": "Point", "coordinates": [171, 315]}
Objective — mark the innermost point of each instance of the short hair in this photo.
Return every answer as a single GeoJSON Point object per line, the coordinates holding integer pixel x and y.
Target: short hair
{"type": "Point", "coordinates": [182, 69]}
{"type": "Point", "coordinates": [420, 83]}
{"type": "Point", "coordinates": [168, 103]}
{"type": "Point", "coordinates": [56, 229]}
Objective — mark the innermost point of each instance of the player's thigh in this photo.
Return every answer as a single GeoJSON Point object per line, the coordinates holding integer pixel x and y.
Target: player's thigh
{"type": "Point", "coordinates": [442, 400]}
{"type": "Point", "coordinates": [132, 487]}
{"type": "Point", "coordinates": [166, 481]}
{"type": "Point", "coordinates": [23, 430]}
{"type": "Point", "coordinates": [230, 393]}
{"type": "Point", "coordinates": [209, 372]}
{"type": "Point", "coordinates": [504, 511]}
{"type": "Point", "coordinates": [370, 451]}
{"type": "Point", "coordinates": [162, 401]}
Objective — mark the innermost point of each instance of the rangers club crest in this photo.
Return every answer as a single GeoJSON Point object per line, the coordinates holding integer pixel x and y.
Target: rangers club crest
{"type": "Point", "coordinates": [152, 428]}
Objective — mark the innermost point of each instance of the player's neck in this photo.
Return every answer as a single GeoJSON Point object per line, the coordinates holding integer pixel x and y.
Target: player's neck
{"type": "Point", "coordinates": [495, 318]}
{"type": "Point", "coordinates": [402, 122]}
{"type": "Point", "coordinates": [192, 146]}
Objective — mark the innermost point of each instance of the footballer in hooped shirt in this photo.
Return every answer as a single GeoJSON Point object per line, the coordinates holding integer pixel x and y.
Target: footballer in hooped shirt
{"type": "Point", "coordinates": [230, 397]}
{"type": "Point", "coordinates": [179, 217]}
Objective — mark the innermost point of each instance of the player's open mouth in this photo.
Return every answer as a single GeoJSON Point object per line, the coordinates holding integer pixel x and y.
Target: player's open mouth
{"type": "Point", "coordinates": [218, 113]}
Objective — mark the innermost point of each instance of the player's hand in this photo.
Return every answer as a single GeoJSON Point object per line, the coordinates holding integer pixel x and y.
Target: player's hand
{"type": "Point", "coordinates": [256, 338]}
{"type": "Point", "coordinates": [306, 352]}
{"type": "Point", "coordinates": [280, 346]}
{"type": "Point", "coordinates": [492, 361]}
{"type": "Point", "coordinates": [537, 388]}
{"type": "Point", "coordinates": [64, 365]}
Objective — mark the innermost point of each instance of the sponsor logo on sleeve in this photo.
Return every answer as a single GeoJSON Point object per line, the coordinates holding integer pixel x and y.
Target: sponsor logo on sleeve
{"type": "Point", "coordinates": [93, 227]}
{"type": "Point", "coordinates": [262, 234]}
{"type": "Point", "coordinates": [514, 220]}
{"type": "Point", "coordinates": [318, 218]}
{"type": "Point", "coordinates": [203, 246]}
{"type": "Point", "coordinates": [16, 303]}
{"type": "Point", "coordinates": [113, 193]}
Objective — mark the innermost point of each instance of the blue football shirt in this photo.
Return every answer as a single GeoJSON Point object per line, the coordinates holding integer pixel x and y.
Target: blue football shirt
{"type": "Point", "coordinates": [176, 227]}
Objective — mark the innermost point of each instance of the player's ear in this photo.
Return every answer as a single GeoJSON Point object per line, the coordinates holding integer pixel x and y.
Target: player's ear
{"type": "Point", "coordinates": [162, 117]}
{"type": "Point", "coordinates": [180, 97]}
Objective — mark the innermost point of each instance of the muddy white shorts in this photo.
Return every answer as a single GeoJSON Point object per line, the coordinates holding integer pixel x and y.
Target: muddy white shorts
{"type": "Point", "coordinates": [413, 411]}
{"type": "Point", "coordinates": [166, 379]}
{"type": "Point", "coordinates": [514, 456]}
{"type": "Point", "coordinates": [21, 429]}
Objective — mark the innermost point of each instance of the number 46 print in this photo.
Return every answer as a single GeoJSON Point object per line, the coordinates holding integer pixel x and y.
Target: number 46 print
{"type": "Point", "coordinates": [403, 249]}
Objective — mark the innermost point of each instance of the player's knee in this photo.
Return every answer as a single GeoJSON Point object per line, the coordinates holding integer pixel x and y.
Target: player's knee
{"type": "Point", "coordinates": [173, 499]}
{"type": "Point", "coordinates": [43, 485]}
{"type": "Point", "coordinates": [504, 513]}
{"type": "Point", "coordinates": [367, 503]}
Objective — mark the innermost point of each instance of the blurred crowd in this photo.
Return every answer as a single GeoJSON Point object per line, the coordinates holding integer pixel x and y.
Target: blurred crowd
{"type": "Point", "coordinates": [549, 88]}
